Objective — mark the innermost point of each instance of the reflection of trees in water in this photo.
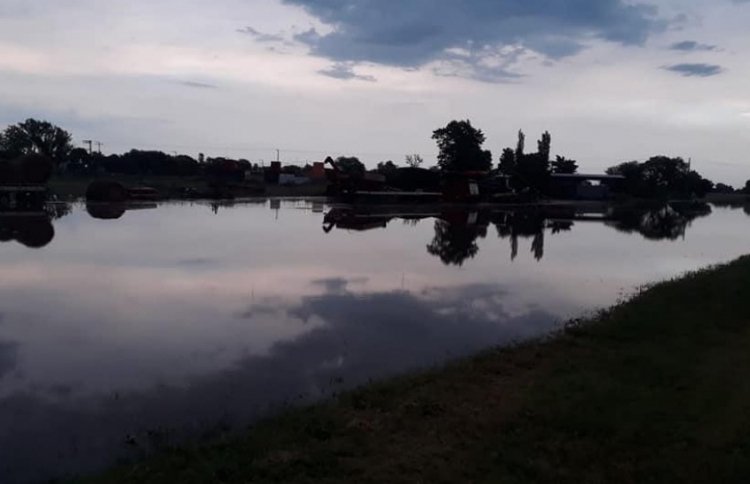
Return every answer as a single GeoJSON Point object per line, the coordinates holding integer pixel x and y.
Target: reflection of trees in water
{"type": "Point", "coordinates": [456, 231]}
{"type": "Point", "coordinates": [454, 243]}
{"type": "Point", "coordinates": [31, 226]}
{"type": "Point", "coordinates": [33, 231]}
{"type": "Point", "coordinates": [59, 210]}
{"type": "Point", "coordinates": [666, 222]}
{"type": "Point", "coordinates": [523, 224]}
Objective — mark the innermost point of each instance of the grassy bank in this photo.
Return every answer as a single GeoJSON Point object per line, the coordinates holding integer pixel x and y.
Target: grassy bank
{"type": "Point", "coordinates": [654, 390]}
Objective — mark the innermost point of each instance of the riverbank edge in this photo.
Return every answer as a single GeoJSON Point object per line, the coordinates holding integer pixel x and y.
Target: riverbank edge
{"type": "Point", "coordinates": [652, 389]}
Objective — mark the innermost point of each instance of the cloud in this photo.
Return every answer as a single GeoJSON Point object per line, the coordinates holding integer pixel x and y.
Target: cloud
{"type": "Point", "coordinates": [261, 36]}
{"type": "Point", "coordinates": [338, 285]}
{"type": "Point", "coordinates": [199, 85]}
{"type": "Point", "coordinates": [8, 357]}
{"type": "Point", "coordinates": [696, 70]}
{"type": "Point", "coordinates": [415, 33]}
{"type": "Point", "coordinates": [693, 46]}
{"type": "Point", "coordinates": [345, 72]}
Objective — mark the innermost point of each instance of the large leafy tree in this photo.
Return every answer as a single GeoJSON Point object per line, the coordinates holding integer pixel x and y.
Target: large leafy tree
{"type": "Point", "coordinates": [460, 146]}
{"type": "Point", "coordinates": [351, 165]}
{"type": "Point", "coordinates": [661, 176]}
{"type": "Point", "coordinates": [34, 136]}
{"type": "Point", "coordinates": [386, 167]}
{"type": "Point", "coordinates": [565, 166]}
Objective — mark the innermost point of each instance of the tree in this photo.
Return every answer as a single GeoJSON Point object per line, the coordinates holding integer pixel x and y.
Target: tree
{"type": "Point", "coordinates": [40, 137]}
{"type": "Point", "coordinates": [508, 161]}
{"type": "Point", "coordinates": [723, 188]}
{"type": "Point", "coordinates": [562, 165]}
{"type": "Point", "coordinates": [661, 176]}
{"type": "Point", "coordinates": [386, 167]}
{"type": "Point", "coordinates": [351, 165]}
{"type": "Point", "coordinates": [747, 187]}
{"type": "Point", "coordinates": [460, 146]}
{"type": "Point", "coordinates": [414, 160]}
{"type": "Point", "coordinates": [545, 145]}
{"type": "Point", "coordinates": [520, 146]}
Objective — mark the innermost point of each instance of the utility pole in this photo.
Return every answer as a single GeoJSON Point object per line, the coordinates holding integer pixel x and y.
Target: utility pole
{"type": "Point", "coordinates": [99, 145]}
{"type": "Point", "coordinates": [278, 155]}
{"type": "Point", "coordinates": [90, 143]}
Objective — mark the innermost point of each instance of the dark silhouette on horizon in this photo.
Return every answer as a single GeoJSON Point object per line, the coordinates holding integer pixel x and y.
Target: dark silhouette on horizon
{"type": "Point", "coordinates": [460, 146]}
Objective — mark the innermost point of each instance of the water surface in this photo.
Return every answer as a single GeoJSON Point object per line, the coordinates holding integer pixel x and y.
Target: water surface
{"type": "Point", "coordinates": [126, 328]}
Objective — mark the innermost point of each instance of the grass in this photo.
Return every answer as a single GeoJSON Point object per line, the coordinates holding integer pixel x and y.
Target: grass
{"type": "Point", "coordinates": [656, 389]}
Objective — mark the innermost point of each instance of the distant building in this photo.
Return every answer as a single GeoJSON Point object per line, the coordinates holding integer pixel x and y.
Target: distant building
{"type": "Point", "coordinates": [582, 186]}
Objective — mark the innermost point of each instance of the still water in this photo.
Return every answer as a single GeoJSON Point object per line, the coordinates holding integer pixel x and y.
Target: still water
{"type": "Point", "coordinates": [128, 328]}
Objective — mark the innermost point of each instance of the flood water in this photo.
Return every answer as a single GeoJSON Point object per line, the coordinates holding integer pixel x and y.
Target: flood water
{"type": "Point", "coordinates": [123, 329]}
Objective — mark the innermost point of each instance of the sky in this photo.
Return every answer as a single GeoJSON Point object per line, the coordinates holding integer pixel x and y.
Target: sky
{"type": "Point", "coordinates": [612, 80]}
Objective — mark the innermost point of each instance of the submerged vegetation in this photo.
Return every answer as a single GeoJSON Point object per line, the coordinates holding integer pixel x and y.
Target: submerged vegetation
{"type": "Point", "coordinates": [654, 389]}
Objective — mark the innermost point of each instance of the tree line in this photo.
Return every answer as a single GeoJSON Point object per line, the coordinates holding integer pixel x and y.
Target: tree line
{"type": "Point", "coordinates": [460, 149]}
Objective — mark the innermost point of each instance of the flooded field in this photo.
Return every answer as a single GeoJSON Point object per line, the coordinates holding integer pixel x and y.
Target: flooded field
{"type": "Point", "coordinates": [127, 328]}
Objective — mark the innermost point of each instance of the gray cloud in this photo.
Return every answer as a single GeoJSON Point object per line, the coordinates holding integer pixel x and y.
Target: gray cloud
{"type": "Point", "coordinates": [261, 36]}
{"type": "Point", "coordinates": [693, 46]}
{"type": "Point", "coordinates": [8, 357]}
{"type": "Point", "coordinates": [345, 72]}
{"type": "Point", "coordinates": [199, 85]}
{"type": "Point", "coordinates": [416, 32]}
{"type": "Point", "coordinates": [696, 70]}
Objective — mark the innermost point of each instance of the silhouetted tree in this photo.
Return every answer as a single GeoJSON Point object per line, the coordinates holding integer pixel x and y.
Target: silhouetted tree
{"type": "Point", "coordinates": [386, 167]}
{"type": "Point", "coordinates": [521, 146]}
{"type": "Point", "coordinates": [545, 146]}
{"type": "Point", "coordinates": [351, 165]}
{"type": "Point", "coordinates": [723, 188]}
{"type": "Point", "coordinates": [508, 162]}
{"type": "Point", "coordinates": [414, 161]}
{"type": "Point", "coordinates": [34, 136]}
{"type": "Point", "coordinates": [460, 146]}
{"type": "Point", "coordinates": [747, 187]}
{"type": "Point", "coordinates": [532, 171]}
{"type": "Point", "coordinates": [563, 165]}
{"type": "Point", "coordinates": [661, 176]}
